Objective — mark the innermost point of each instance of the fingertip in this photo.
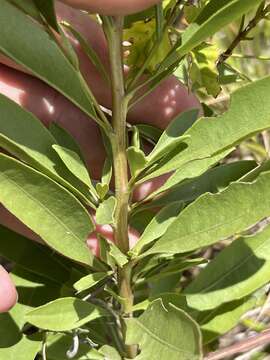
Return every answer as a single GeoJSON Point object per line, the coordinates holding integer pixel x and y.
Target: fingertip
{"type": "Point", "coordinates": [8, 293]}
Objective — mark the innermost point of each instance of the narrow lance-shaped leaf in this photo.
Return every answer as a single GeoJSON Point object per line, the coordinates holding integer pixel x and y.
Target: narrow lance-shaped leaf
{"type": "Point", "coordinates": [236, 272]}
{"type": "Point", "coordinates": [38, 59]}
{"type": "Point", "coordinates": [25, 137]}
{"type": "Point", "coordinates": [45, 207]}
{"type": "Point", "coordinates": [173, 135]}
{"type": "Point", "coordinates": [214, 180]}
{"type": "Point", "coordinates": [209, 136]}
{"type": "Point", "coordinates": [174, 336]}
{"type": "Point", "coordinates": [46, 8]}
{"type": "Point", "coordinates": [214, 217]}
{"type": "Point", "coordinates": [158, 226]}
{"type": "Point", "coordinates": [189, 171]}
{"type": "Point", "coordinates": [63, 314]}
{"type": "Point", "coordinates": [76, 166]}
{"type": "Point", "coordinates": [88, 50]}
{"type": "Point", "coordinates": [28, 6]}
{"type": "Point", "coordinates": [65, 139]}
{"type": "Point", "coordinates": [89, 281]}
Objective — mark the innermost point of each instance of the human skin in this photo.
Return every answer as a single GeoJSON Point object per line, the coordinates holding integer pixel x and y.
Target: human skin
{"type": "Point", "coordinates": [112, 7]}
{"type": "Point", "coordinates": [8, 294]}
{"type": "Point", "coordinates": [158, 109]}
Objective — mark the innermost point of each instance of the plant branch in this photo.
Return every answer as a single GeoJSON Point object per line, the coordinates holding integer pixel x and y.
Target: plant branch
{"type": "Point", "coordinates": [261, 14]}
{"type": "Point", "coordinates": [113, 28]}
{"type": "Point", "coordinates": [242, 346]}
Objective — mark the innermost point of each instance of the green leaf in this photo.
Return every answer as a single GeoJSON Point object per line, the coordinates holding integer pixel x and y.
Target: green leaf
{"type": "Point", "coordinates": [32, 291]}
{"type": "Point", "coordinates": [203, 70]}
{"type": "Point", "coordinates": [110, 353]}
{"type": "Point", "coordinates": [213, 17]}
{"type": "Point", "coordinates": [89, 281]}
{"type": "Point", "coordinates": [88, 50]}
{"type": "Point", "coordinates": [189, 171]}
{"type": "Point", "coordinates": [46, 8]}
{"type": "Point", "coordinates": [102, 190]}
{"type": "Point", "coordinates": [215, 217]}
{"type": "Point", "coordinates": [105, 211]}
{"type": "Point", "coordinates": [58, 344]}
{"type": "Point", "coordinates": [63, 314]}
{"type": "Point", "coordinates": [28, 6]}
{"type": "Point", "coordinates": [149, 132]}
{"type": "Point", "coordinates": [19, 33]}
{"type": "Point", "coordinates": [104, 187]}
{"type": "Point", "coordinates": [107, 172]}
{"type": "Point", "coordinates": [117, 255]}
{"type": "Point", "coordinates": [223, 319]}
{"type": "Point", "coordinates": [64, 139]}
{"type": "Point", "coordinates": [217, 321]}
{"type": "Point", "coordinates": [141, 35]}
{"type": "Point", "coordinates": [174, 336]}
{"type": "Point", "coordinates": [213, 181]}
{"type": "Point", "coordinates": [19, 131]}
{"type": "Point", "coordinates": [74, 164]}
{"type": "Point", "coordinates": [136, 159]}
{"type": "Point", "coordinates": [27, 345]}
{"type": "Point", "coordinates": [45, 207]}
{"type": "Point", "coordinates": [173, 267]}
{"type": "Point", "coordinates": [135, 137]}
{"type": "Point", "coordinates": [173, 135]}
{"type": "Point", "coordinates": [236, 272]}
{"type": "Point", "coordinates": [210, 136]}
{"type": "Point", "coordinates": [44, 261]}
{"type": "Point", "coordinates": [158, 226]}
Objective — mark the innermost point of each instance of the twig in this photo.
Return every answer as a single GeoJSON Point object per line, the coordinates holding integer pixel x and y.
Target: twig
{"type": "Point", "coordinates": [243, 32]}
{"type": "Point", "coordinates": [44, 347]}
{"type": "Point", "coordinates": [73, 351]}
{"type": "Point", "coordinates": [242, 346]}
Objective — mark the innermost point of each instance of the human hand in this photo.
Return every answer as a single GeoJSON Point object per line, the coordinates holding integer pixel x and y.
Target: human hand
{"type": "Point", "coordinates": [157, 109]}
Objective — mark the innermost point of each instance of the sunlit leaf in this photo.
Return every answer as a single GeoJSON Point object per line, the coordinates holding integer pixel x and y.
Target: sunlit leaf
{"type": "Point", "coordinates": [47, 208]}
{"type": "Point", "coordinates": [63, 314]}
{"type": "Point", "coordinates": [175, 335]}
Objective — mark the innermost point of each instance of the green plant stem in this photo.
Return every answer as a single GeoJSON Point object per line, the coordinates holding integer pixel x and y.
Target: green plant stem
{"type": "Point", "coordinates": [119, 144]}
{"type": "Point", "coordinates": [261, 14]}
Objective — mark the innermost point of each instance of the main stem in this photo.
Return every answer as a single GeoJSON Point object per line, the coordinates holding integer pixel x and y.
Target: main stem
{"type": "Point", "coordinates": [119, 145]}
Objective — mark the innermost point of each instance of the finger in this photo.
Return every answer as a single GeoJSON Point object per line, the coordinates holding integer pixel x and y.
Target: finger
{"type": "Point", "coordinates": [108, 233]}
{"type": "Point", "coordinates": [48, 106]}
{"type": "Point", "coordinates": [158, 108]}
{"type": "Point", "coordinates": [8, 293]}
{"type": "Point", "coordinates": [112, 7]}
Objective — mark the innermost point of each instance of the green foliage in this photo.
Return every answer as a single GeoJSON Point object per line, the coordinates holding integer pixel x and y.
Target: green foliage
{"type": "Point", "coordinates": [38, 59]}
{"type": "Point", "coordinates": [236, 272]}
{"type": "Point", "coordinates": [59, 218]}
{"type": "Point", "coordinates": [216, 217]}
{"type": "Point", "coordinates": [194, 271]}
{"type": "Point", "coordinates": [63, 314]}
{"type": "Point", "coordinates": [175, 335]}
